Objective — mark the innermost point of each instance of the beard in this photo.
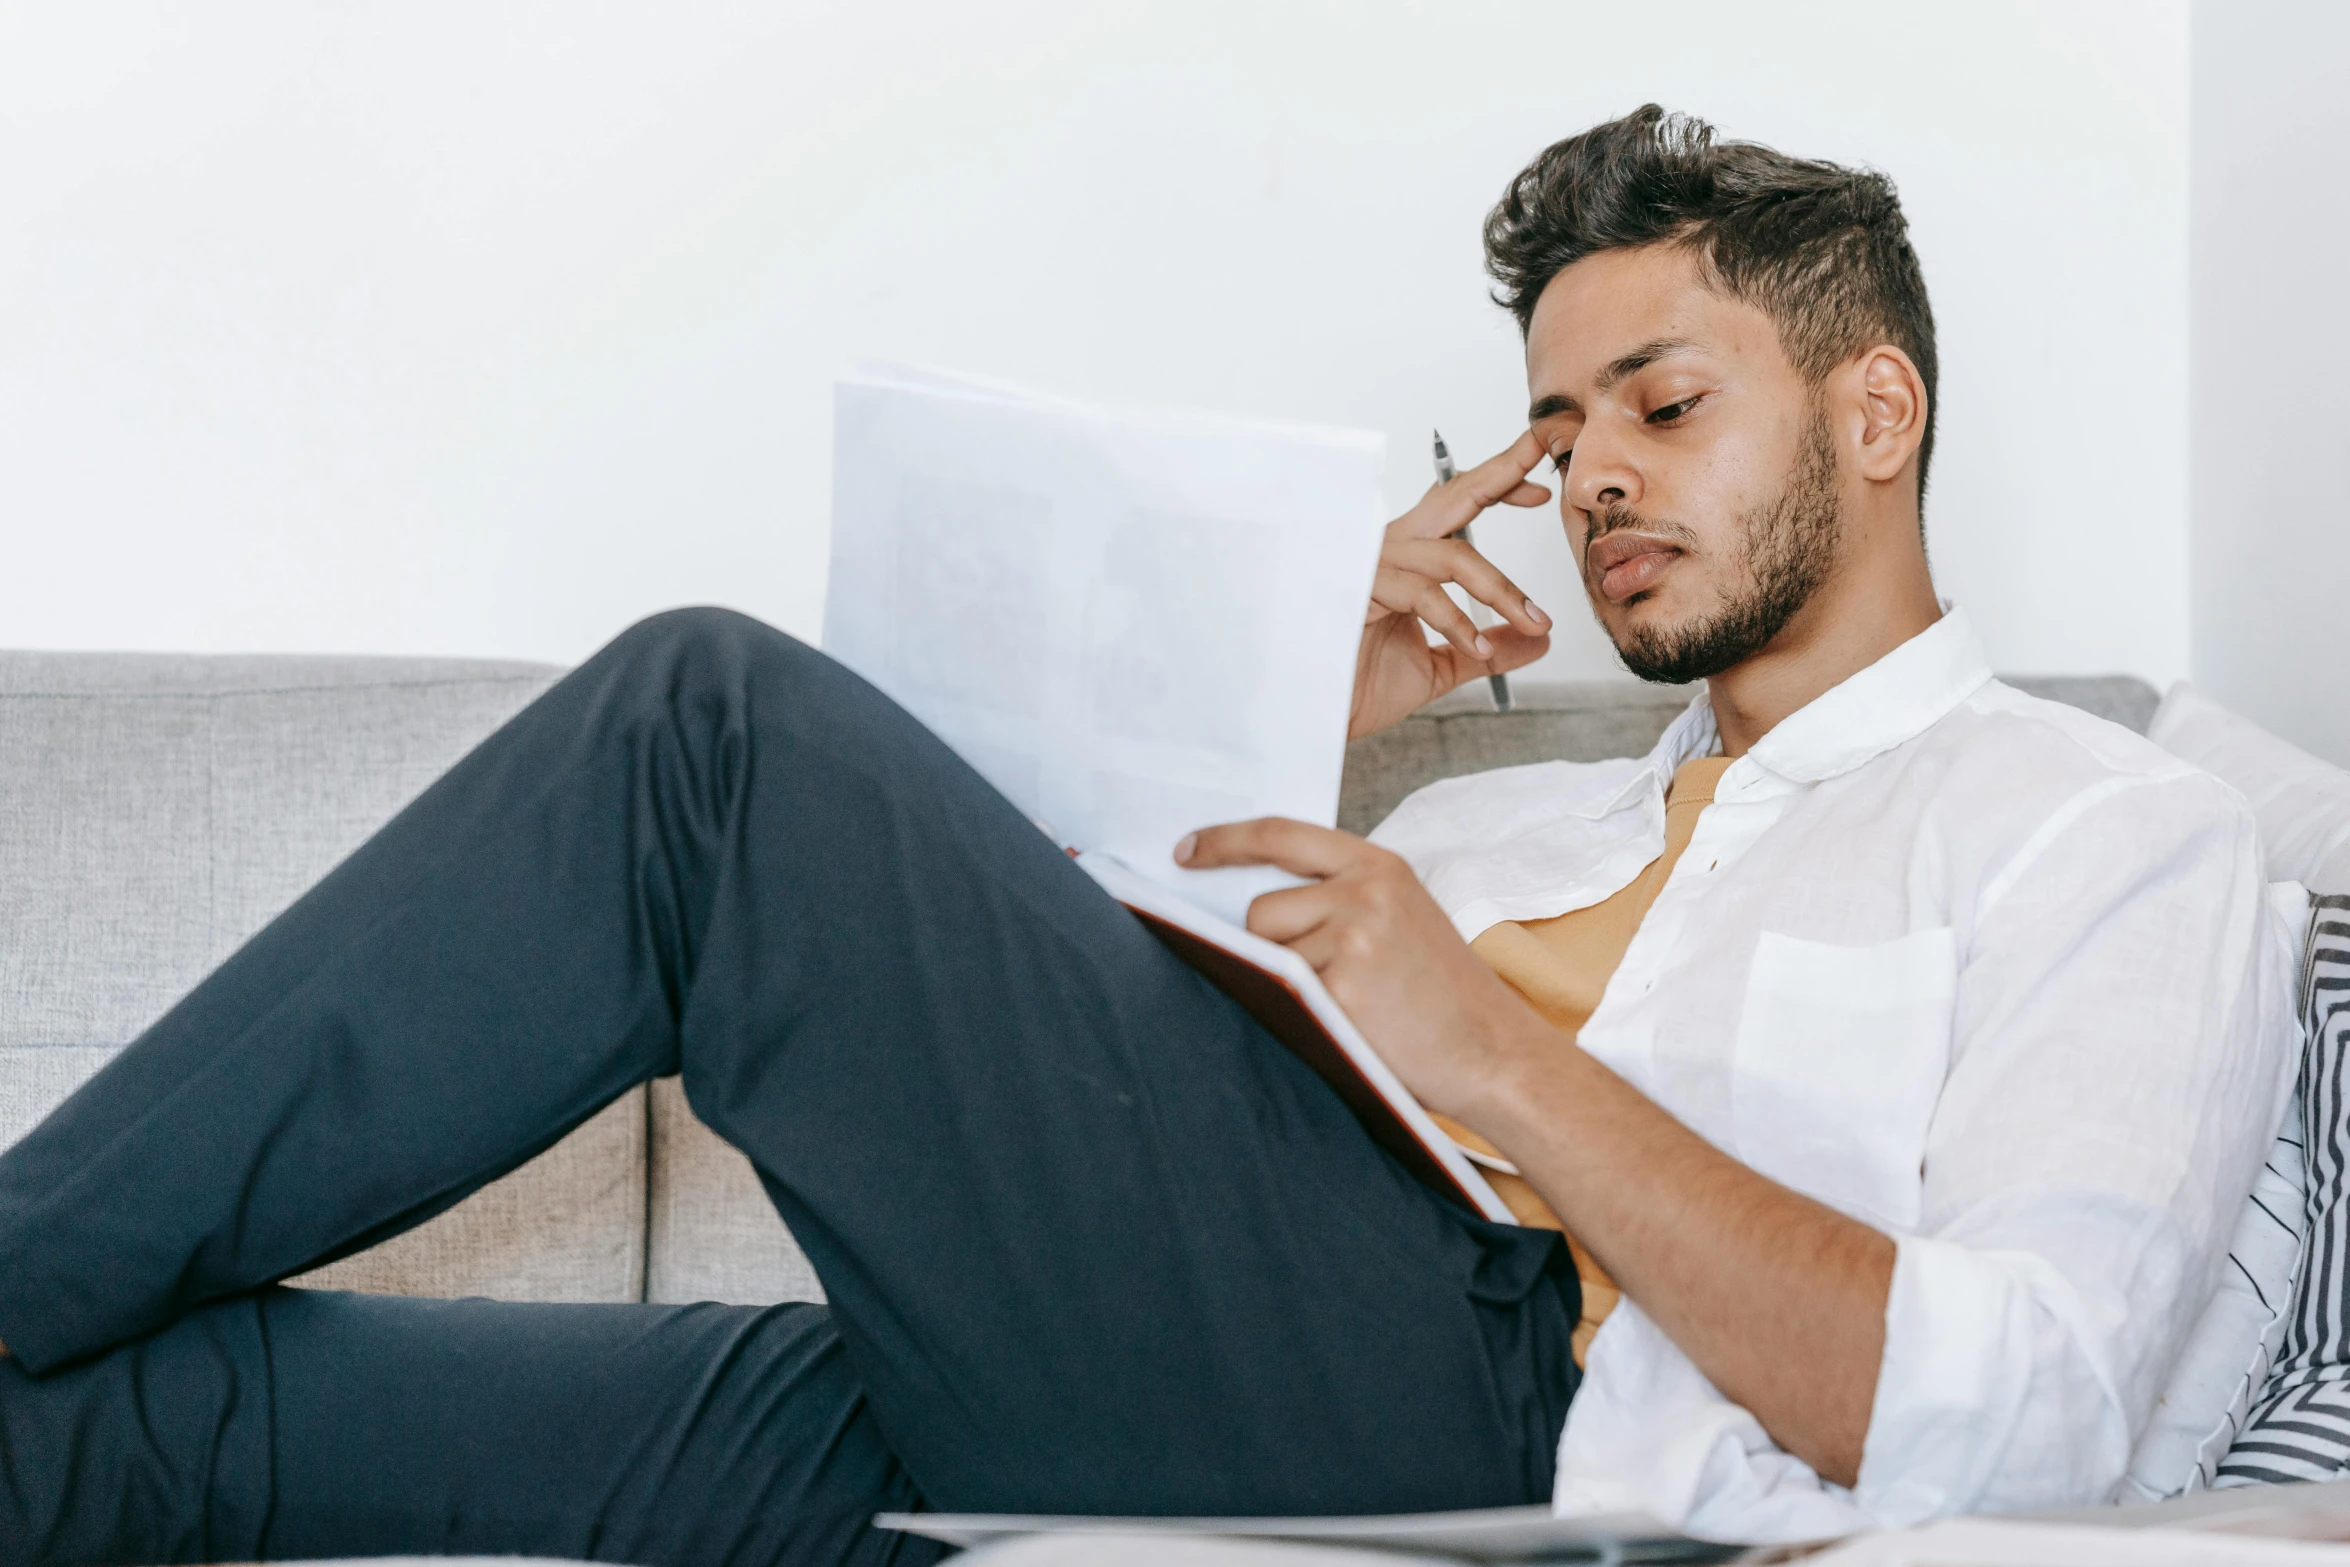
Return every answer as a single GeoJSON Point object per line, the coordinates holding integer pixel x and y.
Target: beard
{"type": "Point", "coordinates": [1789, 549]}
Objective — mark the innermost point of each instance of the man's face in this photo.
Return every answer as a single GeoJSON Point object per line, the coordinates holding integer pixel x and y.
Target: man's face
{"type": "Point", "coordinates": [1701, 500]}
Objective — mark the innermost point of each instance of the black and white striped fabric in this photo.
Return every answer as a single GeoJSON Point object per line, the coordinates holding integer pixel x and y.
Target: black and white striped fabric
{"type": "Point", "coordinates": [2299, 1427]}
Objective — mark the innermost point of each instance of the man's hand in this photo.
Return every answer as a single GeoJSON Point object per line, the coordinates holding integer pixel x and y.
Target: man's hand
{"type": "Point", "coordinates": [1778, 1299]}
{"type": "Point", "coordinates": [1396, 670]}
{"type": "Point", "coordinates": [1387, 954]}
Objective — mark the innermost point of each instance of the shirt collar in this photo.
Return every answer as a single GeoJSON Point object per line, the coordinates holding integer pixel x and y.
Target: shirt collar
{"type": "Point", "coordinates": [1895, 699]}
{"type": "Point", "coordinates": [1692, 734]}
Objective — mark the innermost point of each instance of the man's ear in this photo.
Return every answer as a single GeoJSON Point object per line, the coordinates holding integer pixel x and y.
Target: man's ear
{"type": "Point", "coordinates": [1892, 407]}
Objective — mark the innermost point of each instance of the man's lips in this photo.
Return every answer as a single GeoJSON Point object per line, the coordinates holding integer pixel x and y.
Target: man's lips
{"type": "Point", "coordinates": [1626, 563]}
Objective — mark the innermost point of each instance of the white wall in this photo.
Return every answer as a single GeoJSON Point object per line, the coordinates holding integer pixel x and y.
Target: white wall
{"type": "Point", "coordinates": [2270, 445]}
{"type": "Point", "coordinates": [453, 327]}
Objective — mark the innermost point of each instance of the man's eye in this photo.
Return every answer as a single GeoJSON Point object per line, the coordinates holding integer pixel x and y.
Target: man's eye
{"type": "Point", "coordinates": [1559, 460]}
{"type": "Point", "coordinates": [1672, 411]}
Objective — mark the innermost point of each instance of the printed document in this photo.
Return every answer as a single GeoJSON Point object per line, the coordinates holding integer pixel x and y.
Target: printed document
{"type": "Point", "coordinates": [1132, 624]}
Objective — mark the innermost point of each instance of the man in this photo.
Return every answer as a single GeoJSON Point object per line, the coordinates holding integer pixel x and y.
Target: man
{"type": "Point", "coordinates": [1890, 1040]}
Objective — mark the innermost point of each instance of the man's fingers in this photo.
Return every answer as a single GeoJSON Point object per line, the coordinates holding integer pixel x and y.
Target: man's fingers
{"type": "Point", "coordinates": [1513, 649]}
{"type": "Point", "coordinates": [1317, 946]}
{"type": "Point", "coordinates": [1451, 560]}
{"type": "Point", "coordinates": [1395, 589]}
{"type": "Point", "coordinates": [1528, 493]}
{"type": "Point", "coordinates": [1452, 506]}
{"type": "Point", "coordinates": [1505, 470]}
{"type": "Point", "coordinates": [1300, 848]}
{"type": "Point", "coordinates": [1449, 621]}
{"type": "Point", "coordinates": [1286, 915]}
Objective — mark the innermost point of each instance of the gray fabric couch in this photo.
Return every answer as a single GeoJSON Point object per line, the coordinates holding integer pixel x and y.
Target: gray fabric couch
{"type": "Point", "coordinates": [156, 810]}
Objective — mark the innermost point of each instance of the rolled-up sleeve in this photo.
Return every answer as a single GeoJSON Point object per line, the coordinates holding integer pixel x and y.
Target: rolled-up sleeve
{"type": "Point", "coordinates": [2120, 1059]}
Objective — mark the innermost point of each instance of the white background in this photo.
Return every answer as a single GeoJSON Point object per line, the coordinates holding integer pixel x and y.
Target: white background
{"type": "Point", "coordinates": [2270, 459]}
{"type": "Point", "coordinates": [488, 328]}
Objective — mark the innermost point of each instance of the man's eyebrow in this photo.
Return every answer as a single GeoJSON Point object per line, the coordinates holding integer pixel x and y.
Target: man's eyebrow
{"type": "Point", "coordinates": [1611, 375]}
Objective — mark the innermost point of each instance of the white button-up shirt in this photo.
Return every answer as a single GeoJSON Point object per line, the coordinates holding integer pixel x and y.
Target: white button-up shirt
{"type": "Point", "coordinates": [1985, 972]}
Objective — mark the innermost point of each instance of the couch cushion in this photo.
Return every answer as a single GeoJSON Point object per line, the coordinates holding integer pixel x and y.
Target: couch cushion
{"type": "Point", "coordinates": [569, 1225]}
{"type": "Point", "coordinates": [156, 810]}
{"type": "Point", "coordinates": [713, 1234]}
{"type": "Point", "coordinates": [2301, 802]}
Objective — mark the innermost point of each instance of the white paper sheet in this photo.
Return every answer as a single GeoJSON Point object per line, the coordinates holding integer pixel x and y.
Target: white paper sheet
{"type": "Point", "coordinates": [1132, 624]}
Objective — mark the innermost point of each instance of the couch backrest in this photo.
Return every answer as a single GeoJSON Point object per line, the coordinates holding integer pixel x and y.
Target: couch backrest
{"type": "Point", "coordinates": [157, 810]}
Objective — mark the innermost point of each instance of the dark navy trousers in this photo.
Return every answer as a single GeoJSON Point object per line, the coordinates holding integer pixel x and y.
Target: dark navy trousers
{"type": "Point", "coordinates": [1093, 1242]}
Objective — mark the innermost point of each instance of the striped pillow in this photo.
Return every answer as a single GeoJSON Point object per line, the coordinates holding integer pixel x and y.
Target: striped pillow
{"type": "Point", "coordinates": [2299, 1428]}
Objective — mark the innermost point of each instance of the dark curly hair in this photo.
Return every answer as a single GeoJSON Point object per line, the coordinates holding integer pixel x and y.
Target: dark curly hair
{"type": "Point", "coordinates": [1821, 249]}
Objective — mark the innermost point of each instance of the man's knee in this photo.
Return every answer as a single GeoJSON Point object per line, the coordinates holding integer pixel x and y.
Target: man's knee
{"type": "Point", "coordinates": [708, 659]}
{"type": "Point", "coordinates": [705, 641]}
{"type": "Point", "coordinates": [719, 666]}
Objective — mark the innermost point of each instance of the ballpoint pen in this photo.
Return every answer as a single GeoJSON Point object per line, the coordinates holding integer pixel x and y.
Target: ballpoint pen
{"type": "Point", "coordinates": [1445, 474]}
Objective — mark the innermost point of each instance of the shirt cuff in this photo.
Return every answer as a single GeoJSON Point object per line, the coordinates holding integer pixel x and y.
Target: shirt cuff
{"type": "Point", "coordinates": [1972, 1340]}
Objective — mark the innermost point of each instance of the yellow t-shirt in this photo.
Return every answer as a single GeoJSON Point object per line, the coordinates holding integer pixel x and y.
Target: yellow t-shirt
{"type": "Point", "coordinates": [1562, 966]}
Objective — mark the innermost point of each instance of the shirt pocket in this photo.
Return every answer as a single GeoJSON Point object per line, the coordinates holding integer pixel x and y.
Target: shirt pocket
{"type": "Point", "coordinates": [1840, 1058]}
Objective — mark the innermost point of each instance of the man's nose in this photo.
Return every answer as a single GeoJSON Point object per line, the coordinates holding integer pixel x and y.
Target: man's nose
{"type": "Point", "coordinates": [1599, 474]}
